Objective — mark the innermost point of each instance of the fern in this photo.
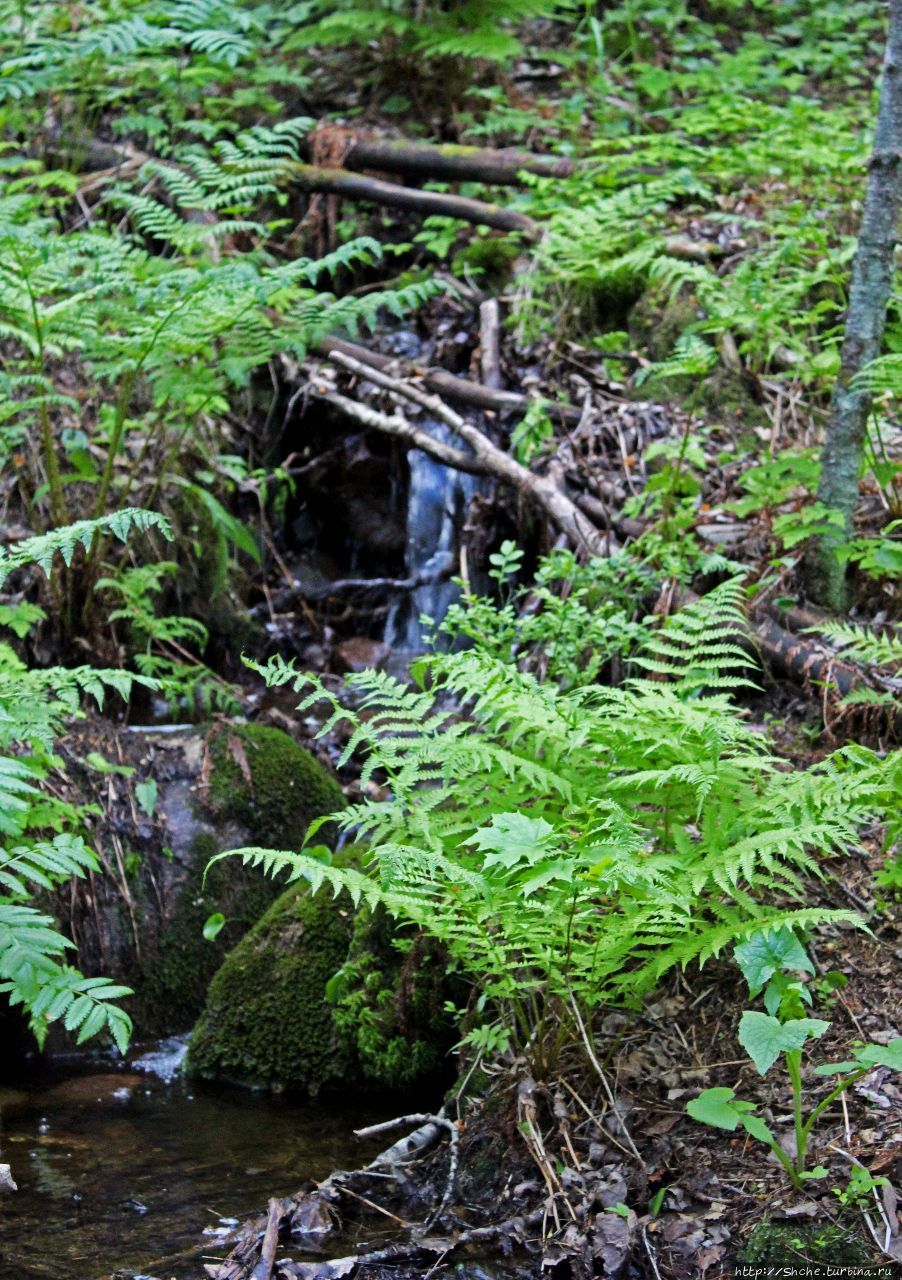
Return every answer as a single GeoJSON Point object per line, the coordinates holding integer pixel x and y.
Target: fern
{"type": "Point", "coordinates": [581, 842]}
{"type": "Point", "coordinates": [33, 705]}
{"type": "Point", "coordinates": [861, 644]}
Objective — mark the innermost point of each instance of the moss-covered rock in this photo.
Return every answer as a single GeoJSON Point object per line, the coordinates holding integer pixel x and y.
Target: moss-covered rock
{"type": "Point", "coordinates": [261, 778]}
{"type": "Point", "coordinates": [267, 1020]}
{"type": "Point", "coordinates": [779, 1244]}
{"type": "Point", "coordinates": [389, 999]}
{"type": "Point", "coordinates": [319, 995]}
{"type": "Point", "coordinates": [262, 789]}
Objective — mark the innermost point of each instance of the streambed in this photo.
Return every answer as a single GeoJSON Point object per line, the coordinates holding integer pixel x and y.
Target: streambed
{"type": "Point", "coordinates": [119, 1167]}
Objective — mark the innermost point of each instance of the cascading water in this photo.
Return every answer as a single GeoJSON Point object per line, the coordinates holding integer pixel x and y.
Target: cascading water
{"type": "Point", "coordinates": [437, 504]}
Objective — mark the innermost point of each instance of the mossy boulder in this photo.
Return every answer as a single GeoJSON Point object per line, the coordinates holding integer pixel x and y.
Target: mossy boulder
{"type": "Point", "coordinates": [319, 996]}
{"type": "Point", "coordinates": [254, 785]}
{"type": "Point", "coordinates": [267, 1021]}
{"type": "Point", "coordinates": [389, 1003]}
{"type": "Point", "coordinates": [261, 778]}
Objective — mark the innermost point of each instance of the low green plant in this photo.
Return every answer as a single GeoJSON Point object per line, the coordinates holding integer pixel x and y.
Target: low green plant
{"type": "Point", "coordinates": [571, 845]}
{"type": "Point", "coordinates": [162, 643]}
{"type": "Point", "coordinates": [580, 616]}
{"type": "Point", "coordinates": [40, 851]}
{"type": "Point", "coordinates": [772, 963]}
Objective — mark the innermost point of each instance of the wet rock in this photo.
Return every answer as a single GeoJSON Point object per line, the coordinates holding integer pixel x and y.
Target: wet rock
{"type": "Point", "coordinates": [359, 654]}
{"type": "Point", "coordinates": [231, 786]}
{"type": "Point", "coordinates": [91, 1090]}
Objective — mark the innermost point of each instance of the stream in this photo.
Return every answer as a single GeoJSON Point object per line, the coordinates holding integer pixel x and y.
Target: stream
{"type": "Point", "coordinates": [121, 1166]}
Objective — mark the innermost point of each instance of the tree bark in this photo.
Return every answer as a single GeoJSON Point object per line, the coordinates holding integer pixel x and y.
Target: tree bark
{"type": "Point", "coordinates": [354, 186]}
{"type": "Point", "coordinates": [872, 279]}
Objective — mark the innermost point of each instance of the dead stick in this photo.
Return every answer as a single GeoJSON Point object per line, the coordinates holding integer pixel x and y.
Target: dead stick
{"type": "Point", "coordinates": [395, 425]}
{"type": "Point", "coordinates": [489, 356]}
{"type": "Point", "coordinates": [562, 510]}
{"type": "Point", "coordinates": [263, 1269]}
{"type": "Point", "coordinates": [353, 186]}
{"type": "Point", "coordinates": [447, 384]}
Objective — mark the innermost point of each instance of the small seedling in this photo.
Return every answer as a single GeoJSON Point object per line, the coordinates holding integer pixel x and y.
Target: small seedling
{"type": "Point", "coordinates": [773, 963]}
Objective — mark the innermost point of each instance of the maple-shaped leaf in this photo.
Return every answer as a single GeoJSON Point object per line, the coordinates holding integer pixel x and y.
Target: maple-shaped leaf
{"type": "Point", "coordinates": [764, 1038]}
{"type": "Point", "coordinates": [513, 838]}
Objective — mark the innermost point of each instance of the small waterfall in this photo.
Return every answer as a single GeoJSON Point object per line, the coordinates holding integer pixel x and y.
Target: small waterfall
{"type": "Point", "coordinates": [437, 504]}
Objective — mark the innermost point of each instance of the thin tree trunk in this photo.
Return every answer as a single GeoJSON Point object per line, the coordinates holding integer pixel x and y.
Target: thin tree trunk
{"type": "Point", "coordinates": [872, 279]}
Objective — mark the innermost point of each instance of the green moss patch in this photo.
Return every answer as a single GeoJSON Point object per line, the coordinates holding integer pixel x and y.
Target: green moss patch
{"type": "Point", "coordinates": [267, 1021]}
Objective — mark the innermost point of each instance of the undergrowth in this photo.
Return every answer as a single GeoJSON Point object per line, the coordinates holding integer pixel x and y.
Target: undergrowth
{"type": "Point", "coordinates": [572, 845]}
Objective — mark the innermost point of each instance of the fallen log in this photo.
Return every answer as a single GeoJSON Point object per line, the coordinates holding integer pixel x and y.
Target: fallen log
{"type": "Point", "coordinates": [448, 384]}
{"type": "Point", "coordinates": [446, 161]}
{"type": "Point", "coordinates": [353, 186]}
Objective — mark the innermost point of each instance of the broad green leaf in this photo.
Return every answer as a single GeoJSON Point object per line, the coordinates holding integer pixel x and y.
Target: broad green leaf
{"type": "Point", "coordinates": [882, 1055]}
{"type": "Point", "coordinates": [835, 1068]}
{"type": "Point", "coordinates": [512, 838]}
{"type": "Point", "coordinates": [765, 954]}
{"type": "Point", "coordinates": [719, 1107]}
{"type": "Point", "coordinates": [146, 795]}
{"type": "Point", "coordinates": [764, 1038]}
{"type": "Point", "coordinates": [757, 1128]}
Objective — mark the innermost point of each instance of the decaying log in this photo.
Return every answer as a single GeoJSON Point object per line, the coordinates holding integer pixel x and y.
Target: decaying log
{"type": "Point", "coordinates": [354, 186]}
{"type": "Point", "coordinates": [445, 161]}
{"type": "Point", "coordinates": [448, 384]}
{"type": "Point", "coordinates": [803, 660]}
{"type": "Point", "coordinates": [486, 456]}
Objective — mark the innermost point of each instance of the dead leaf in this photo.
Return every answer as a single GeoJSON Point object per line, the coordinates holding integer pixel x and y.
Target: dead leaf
{"type": "Point", "coordinates": [236, 750]}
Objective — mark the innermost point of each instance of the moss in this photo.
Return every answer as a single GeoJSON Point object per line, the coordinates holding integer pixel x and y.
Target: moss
{"type": "Point", "coordinates": [266, 1020]}
{"type": "Point", "coordinates": [389, 1003]}
{"type": "Point", "coordinates": [657, 320]}
{"type": "Point", "coordinates": [779, 1244]}
{"type": "Point", "coordinates": [287, 789]}
{"type": "Point", "coordinates": [171, 987]}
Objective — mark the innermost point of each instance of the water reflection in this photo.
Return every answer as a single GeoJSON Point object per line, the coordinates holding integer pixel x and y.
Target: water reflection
{"type": "Point", "coordinates": [118, 1169]}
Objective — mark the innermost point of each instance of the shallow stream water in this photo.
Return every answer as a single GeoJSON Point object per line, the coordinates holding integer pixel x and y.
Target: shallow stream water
{"type": "Point", "coordinates": [119, 1168]}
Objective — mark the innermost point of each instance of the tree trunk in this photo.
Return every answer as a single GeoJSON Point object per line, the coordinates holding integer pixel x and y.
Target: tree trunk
{"type": "Point", "coordinates": [872, 278]}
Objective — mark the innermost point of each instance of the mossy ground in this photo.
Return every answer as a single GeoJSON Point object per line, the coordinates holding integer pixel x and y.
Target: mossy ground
{"type": "Point", "coordinates": [782, 1244]}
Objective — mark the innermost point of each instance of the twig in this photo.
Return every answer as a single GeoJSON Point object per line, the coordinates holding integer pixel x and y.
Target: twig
{"type": "Point", "coordinates": [603, 1078]}
{"type": "Point", "coordinates": [490, 459]}
{"type": "Point", "coordinates": [651, 1253]}
{"type": "Point", "coordinates": [263, 1269]}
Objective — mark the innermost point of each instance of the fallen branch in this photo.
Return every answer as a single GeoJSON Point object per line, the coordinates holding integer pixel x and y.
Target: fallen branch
{"type": "Point", "coordinates": [449, 162]}
{"type": "Point", "coordinates": [486, 456]}
{"type": "Point", "coordinates": [431, 1246]}
{"type": "Point", "coordinates": [426, 1123]}
{"type": "Point", "coordinates": [447, 384]}
{"type": "Point", "coordinates": [353, 186]}
{"type": "Point", "coordinates": [263, 1269]}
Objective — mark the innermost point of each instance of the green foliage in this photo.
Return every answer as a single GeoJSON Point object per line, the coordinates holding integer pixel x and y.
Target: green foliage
{"type": "Point", "coordinates": [772, 958]}
{"type": "Point", "coordinates": [575, 844]}
{"type": "Point", "coordinates": [33, 704]}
